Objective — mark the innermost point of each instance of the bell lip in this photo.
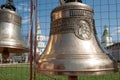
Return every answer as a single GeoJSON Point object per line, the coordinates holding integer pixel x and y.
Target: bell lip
{"type": "Point", "coordinates": [86, 71]}
{"type": "Point", "coordinates": [77, 4]}
{"type": "Point", "coordinates": [15, 49]}
{"type": "Point", "coordinates": [77, 73]}
{"type": "Point", "coordinates": [11, 44]}
{"type": "Point", "coordinates": [13, 12]}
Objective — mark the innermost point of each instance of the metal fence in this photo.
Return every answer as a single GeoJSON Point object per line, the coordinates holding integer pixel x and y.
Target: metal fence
{"type": "Point", "coordinates": [106, 12]}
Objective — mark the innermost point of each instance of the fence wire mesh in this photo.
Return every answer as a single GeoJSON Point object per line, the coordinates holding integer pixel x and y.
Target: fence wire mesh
{"type": "Point", "coordinates": [106, 13]}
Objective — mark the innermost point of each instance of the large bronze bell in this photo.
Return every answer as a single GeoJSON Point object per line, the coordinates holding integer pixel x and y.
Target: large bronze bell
{"type": "Point", "coordinates": [73, 48]}
{"type": "Point", "coordinates": [10, 35]}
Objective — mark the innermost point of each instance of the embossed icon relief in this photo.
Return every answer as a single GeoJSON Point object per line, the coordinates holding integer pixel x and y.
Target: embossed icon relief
{"type": "Point", "coordinates": [83, 30]}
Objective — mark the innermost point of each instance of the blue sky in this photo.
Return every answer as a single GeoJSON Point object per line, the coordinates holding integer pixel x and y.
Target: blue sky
{"type": "Point", "coordinates": [106, 12]}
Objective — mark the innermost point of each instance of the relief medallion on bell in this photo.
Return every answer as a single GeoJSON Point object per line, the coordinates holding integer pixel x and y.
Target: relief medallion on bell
{"type": "Point", "coordinates": [83, 30]}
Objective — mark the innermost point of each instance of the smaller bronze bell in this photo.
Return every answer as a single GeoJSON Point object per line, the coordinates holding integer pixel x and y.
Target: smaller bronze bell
{"type": "Point", "coordinates": [10, 35]}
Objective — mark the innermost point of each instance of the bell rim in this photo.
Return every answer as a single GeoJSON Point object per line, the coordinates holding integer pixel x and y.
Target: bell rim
{"type": "Point", "coordinates": [15, 49]}
{"type": "Point", "coordinates": [77, 72]}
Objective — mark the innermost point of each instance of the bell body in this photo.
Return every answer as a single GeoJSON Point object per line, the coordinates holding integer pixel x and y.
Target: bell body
{"type": "Point", "coordinates": [10, 35]}
{"type": "Point", "coordinates": [73, 48]}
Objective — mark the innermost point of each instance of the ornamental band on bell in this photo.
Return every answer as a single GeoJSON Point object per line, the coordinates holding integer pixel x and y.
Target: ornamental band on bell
{"type": "Point", "coordinates": [6, 16]}
{"type": "Point", "coordinates": [79, 22]}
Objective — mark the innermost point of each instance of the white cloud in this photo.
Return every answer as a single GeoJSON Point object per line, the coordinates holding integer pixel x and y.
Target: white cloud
{"type": "Point", "coordinates": [116, 31]}
{"type": "Point", "coordinates": [25, 19]}
{"type": "Point", "coordinates": [23, 7]}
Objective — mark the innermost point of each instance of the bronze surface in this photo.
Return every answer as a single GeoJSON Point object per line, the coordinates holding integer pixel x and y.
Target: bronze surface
{"type": "Point", "coordinates": [73, 48]}
{"type": "Point", "coordinates": [10, 35]}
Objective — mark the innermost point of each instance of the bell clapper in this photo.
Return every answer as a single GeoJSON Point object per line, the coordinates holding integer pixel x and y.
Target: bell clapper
{"type": "Point", "coordinates": [5, 55]}
{"type": "Point", "coordinates": [72, 77]}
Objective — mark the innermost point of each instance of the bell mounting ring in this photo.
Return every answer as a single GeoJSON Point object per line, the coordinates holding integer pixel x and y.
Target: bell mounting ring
{"type": "Point", "coordinates": [67, 1]}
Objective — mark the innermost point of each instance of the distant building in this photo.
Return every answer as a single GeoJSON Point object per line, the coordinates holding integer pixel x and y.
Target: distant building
{"type": "Point", "coordinates": [114, 50]}
{"type": "Point", "coordinates": [40, 40]}
{"type": "Point", "coordinates": [106, 39]}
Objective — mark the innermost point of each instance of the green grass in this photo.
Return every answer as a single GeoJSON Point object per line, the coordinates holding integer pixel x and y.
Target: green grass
{"type": "Point", "coordinates": [21, 72]}
{"type": "Point", "coordinates": [112, 76]}
{"type": "Point", "coordinates": [15, 72]}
